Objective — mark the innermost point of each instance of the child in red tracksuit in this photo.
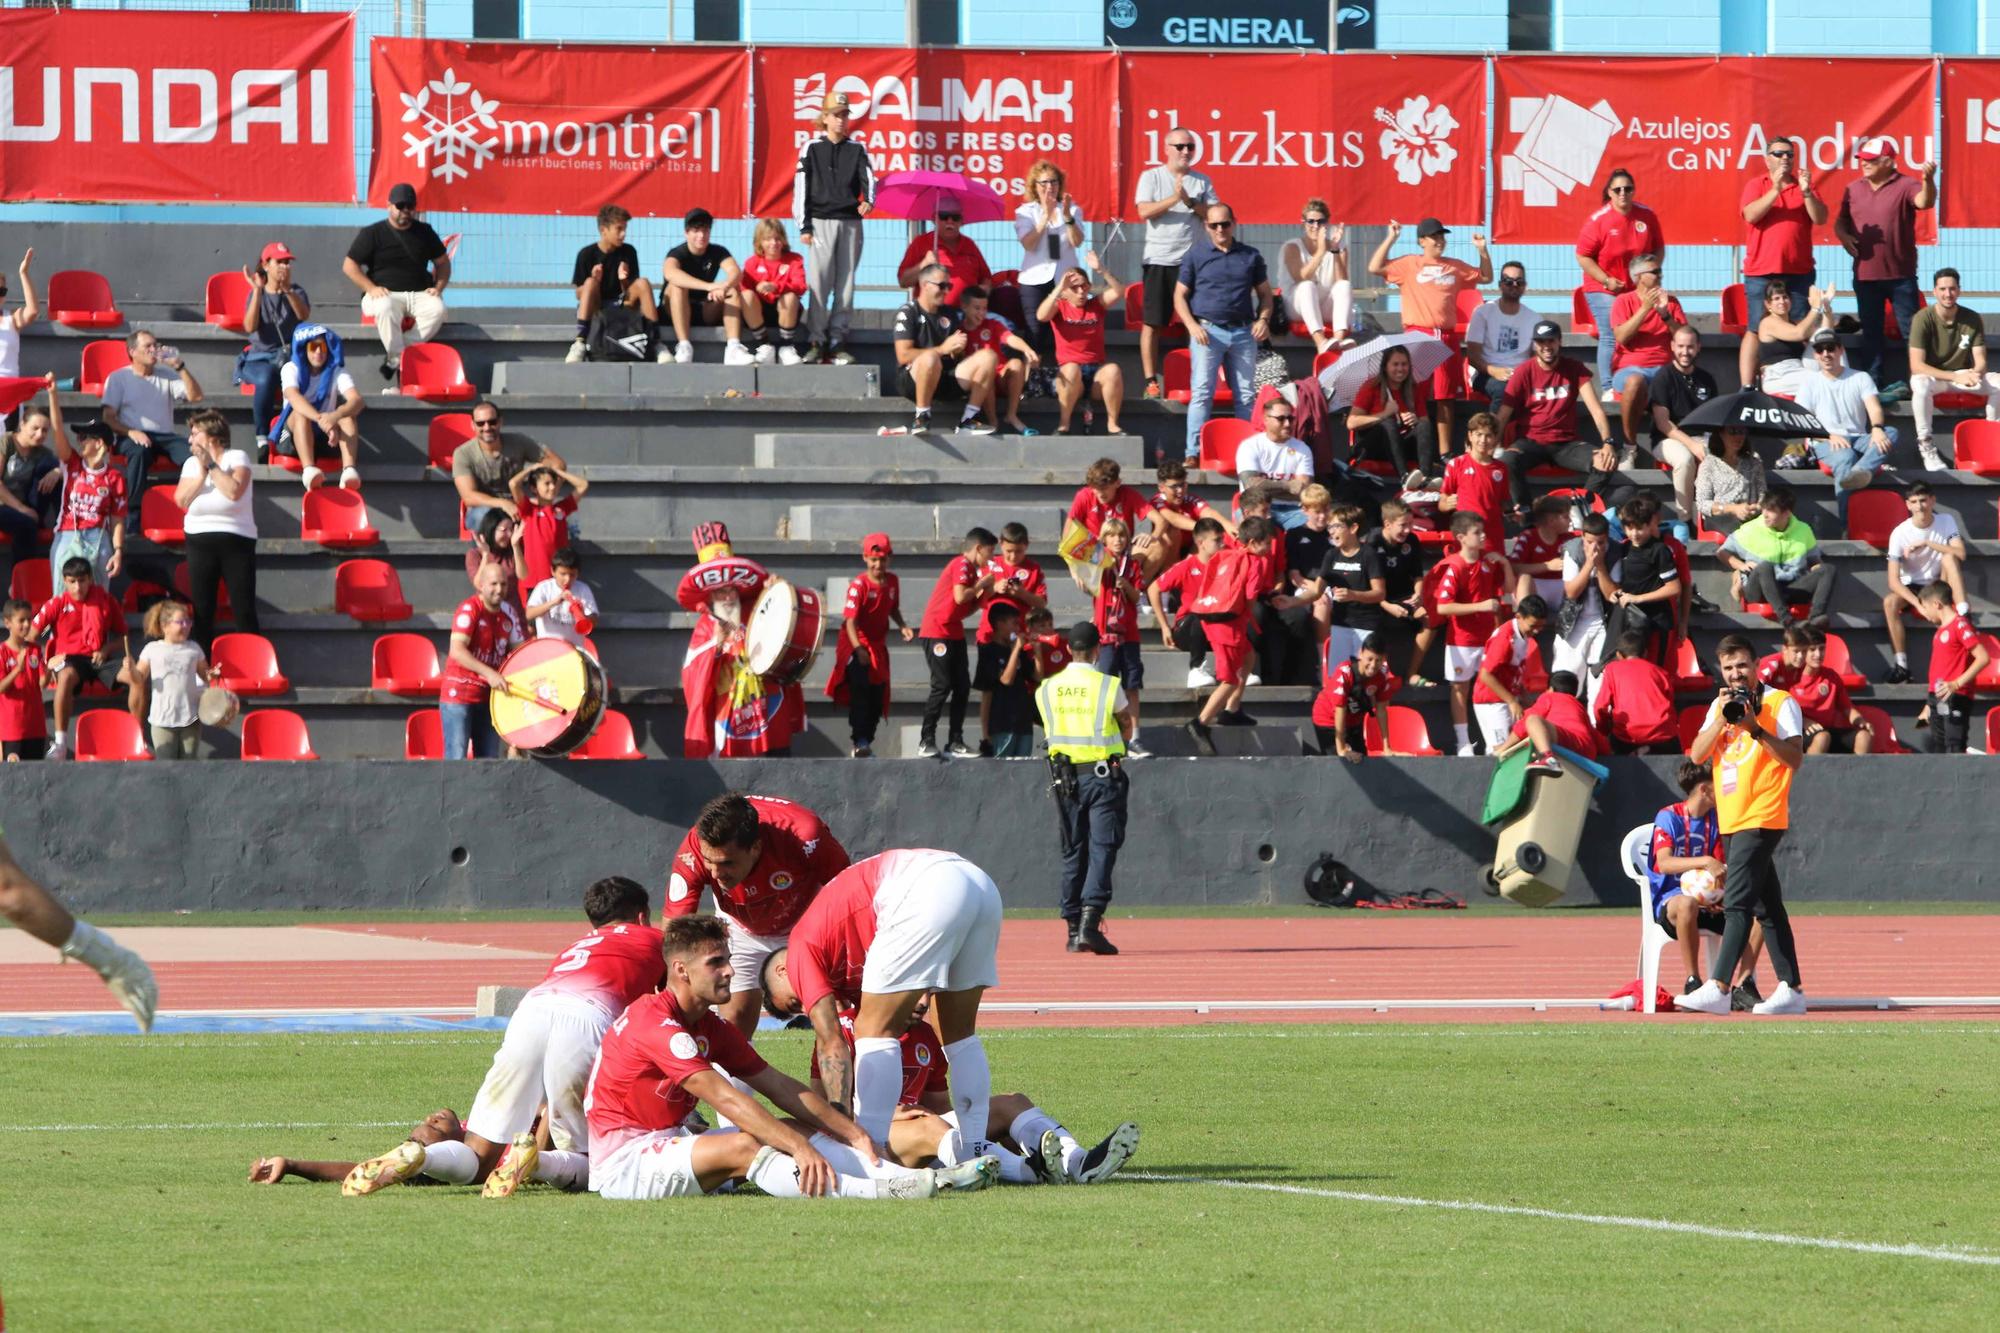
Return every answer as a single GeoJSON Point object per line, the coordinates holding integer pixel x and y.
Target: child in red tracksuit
{"type": "Point", "coordinates": [1216, 588]}
{"type": "Point", "coordinates": [861, 656]}
{"type": "Point", "coordinates": [776, 276]}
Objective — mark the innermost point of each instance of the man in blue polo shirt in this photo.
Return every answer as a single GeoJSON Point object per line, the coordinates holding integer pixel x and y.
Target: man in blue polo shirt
{"type": "Point", "coordinates": [1224, 298]}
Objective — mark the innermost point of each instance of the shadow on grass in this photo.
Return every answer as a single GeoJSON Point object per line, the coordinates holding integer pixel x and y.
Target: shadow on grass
{"type": "Point", "coordinates": [1183, 1173]}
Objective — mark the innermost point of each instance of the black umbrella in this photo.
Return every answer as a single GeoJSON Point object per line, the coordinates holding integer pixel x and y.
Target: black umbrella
{"type": "Point", "coordinates": [1757, 413]}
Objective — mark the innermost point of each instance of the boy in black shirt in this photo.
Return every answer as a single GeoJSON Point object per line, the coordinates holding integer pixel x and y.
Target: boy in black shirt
{"type": "Point", "coordinates": [1648, 588]}
{"type": "Point", "coordinates": [1404, 632]}
{"type": "Point", "coordinates": [696, 268]}
{"type": "Point", "coordinates": [1350, 589]}
{"type": "Point", "coordinates": [606, 273]}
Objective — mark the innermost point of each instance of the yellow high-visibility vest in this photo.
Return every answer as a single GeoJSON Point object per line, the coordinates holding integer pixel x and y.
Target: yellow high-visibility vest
{"type": "Point", "coordinates": [1077, 711]}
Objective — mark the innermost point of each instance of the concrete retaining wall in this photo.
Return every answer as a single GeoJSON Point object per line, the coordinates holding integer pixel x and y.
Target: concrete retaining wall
{"type": "Point", "coordinates": [372, 835]}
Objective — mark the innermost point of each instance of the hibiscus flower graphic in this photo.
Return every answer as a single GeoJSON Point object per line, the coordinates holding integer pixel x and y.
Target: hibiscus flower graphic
{"type": "Point", "coordinates": [1417, 139]}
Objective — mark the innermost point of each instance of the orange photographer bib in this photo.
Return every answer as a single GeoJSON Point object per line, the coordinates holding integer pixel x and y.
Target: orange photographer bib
{"type": "Point", "coordinates": [1752, 789]}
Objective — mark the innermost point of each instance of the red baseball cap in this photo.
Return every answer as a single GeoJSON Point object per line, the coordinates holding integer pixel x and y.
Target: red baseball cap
{"type": "Point", "coordinates": [276, 250]}
{"type": "Point", "coordinates": [877, 543]}
{"type": "Point", "coordinates": [1880, 146]}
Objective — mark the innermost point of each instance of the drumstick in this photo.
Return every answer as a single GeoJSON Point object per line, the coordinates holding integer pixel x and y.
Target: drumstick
{"type": "Point", "coordinates": [528, 696]}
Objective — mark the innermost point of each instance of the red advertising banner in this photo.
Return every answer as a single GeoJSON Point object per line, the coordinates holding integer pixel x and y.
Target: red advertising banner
{"type": "Point", "coordinates": [1969, 185]}
{"type": "Point", "coordinates": [502, 127]}
{"type": "Point", "coordinates": [988, 114]}
{"type": "Point", "coordinates": [135, 105]}
{"type": "Point", "coordinates": [1691, 131]}
{"type": "Point", "coordinates": [1378, 136]}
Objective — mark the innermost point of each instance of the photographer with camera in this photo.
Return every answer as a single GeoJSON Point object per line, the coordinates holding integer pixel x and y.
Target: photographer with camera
{"type": "Point", "coordinates": [1753, 735]}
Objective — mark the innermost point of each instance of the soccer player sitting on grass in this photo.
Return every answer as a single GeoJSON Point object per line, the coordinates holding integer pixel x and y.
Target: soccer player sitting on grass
{"type": "Point", "coordinates": [926, 1128]}
{"type": "Point", "coordinates": [1686, 851]}
{"type": "Point", "coordinates": [1557, 718]}
{"type": "Point", "coordinates": [672, 1050]}
{"type": "Point", "coordinates": [544, 1059]}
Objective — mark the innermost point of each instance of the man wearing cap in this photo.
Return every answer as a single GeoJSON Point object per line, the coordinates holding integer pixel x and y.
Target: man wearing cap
{"type": "Point", "coordinates": [1781, 209]}
{"type": "Point", "coordinates": [697, 267]}
{"type": "Point", "coordinates": [1500, 334]}
{"type": "Point", "coordinates": [1173, 202]}
{"type": "Point", "coordinates": [1428, 284]}
{"type": "Point", "coordinates": [1088, 721]}
{"type": "Point", "coordinates": [832, 190]}
{"type": "Point", "coordinates": [402, 270]}
{"type": "Point", "coordinates": [948, 247]}
{"type": "Point", "coordinates": [1947, 355]}
{"type": "Point", "coordinates": [1223, 296]}
{"type": "Point", "coordinates": [1848, 405]}
{"type": "Point", "coordinates": [276, 307]}
{"type": "Point", "coordinates": [1878, 226]}
{"type": "Point", "coordinates": [1544, 393]}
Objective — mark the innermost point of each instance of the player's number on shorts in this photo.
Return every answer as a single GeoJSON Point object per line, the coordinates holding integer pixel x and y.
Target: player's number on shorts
{"type": "Point", "coordinates": [577, 955]}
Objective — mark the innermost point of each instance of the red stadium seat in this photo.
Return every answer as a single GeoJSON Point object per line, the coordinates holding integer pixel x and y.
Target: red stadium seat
{"type": "Point", "coordinates": [1219, 438]}
{"type": "Point", "coordinates": [248, 663]}
{"type": "Point", "coordinates": [369, 590]}
{"type": "Point", "coordinates": [434, 371]}
{"type": "Point", "coordinates": [1889, 328]}
{"type": "Point", "coordinates": [228, 297]}
{"type": "Point", "coordinates": [1689, 674]}
{"type": "Point", "coordinates": [82, 299]}
{"type": "Point", "coordinates": [423, 735]}
{"type": "Point", "coordinates": [185, 592]}
{"type": "Point", "coordinates": [325, 457]}
{"type": "Point", "coordinates": [1841, 663]}
{"type": "Point", "coordinates": [160, 518]}
{"type": "Point", "coordinates": [1174, 373]}
{"type": "Point", "coordinates": [32, 582]}
{"type": "Point", "coordinates": [1007, 277]}
{"type": "Point", "coordinates": [336, 518]}
{"type": "Point", "coordinates": [1975, 447]}
{"type": "Point", "coordinates": [1735, 309]}
{"type": "Point", "coordinates": [100, 358]}
{"type": "Point", "coordinates": [1873, 514]}
{"type": "Point", "coordinates": [1581, 321]}
{"type": "Point", "coordinates": [612, 740]}
{"type": "Point", "coordinates": [1467, 301]}
{"type": "Point", "coordinates": [1884, 729]}
{"type": "Point", "coordinates": [1135, 315]}
{"type": "Point", "coordinates": [1989, 679]}
{"type": "Point", "coordinates": [1798, 610]}
{"type": "Point", "coordinates": [140, 594]}
{"type": "Point", "coordinates": [109, 735]}
{"type": "Point", "coordinates": [448, 431]}
{"type": "Point", "coordinates": [406, 664]}
{"type": "Point", "coordinates": [1993, 730]}
{"type": "Point", "coordinates": [1325, 359]}
{"type": "Point", "coordinates": [1691, 719]}
{"type": "Point", "coordinates": [1407, 732]}
{"type": "Point", "coordinates": [276, 733]}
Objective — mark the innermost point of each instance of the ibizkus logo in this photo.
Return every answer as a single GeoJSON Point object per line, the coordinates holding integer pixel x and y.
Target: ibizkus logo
{"type": "Point", "coordinates": [1417, 138]}
{"type": "Point", "coordinates": [1559, 146]}
{"type": "Point", "coordinates": [1122, 13]}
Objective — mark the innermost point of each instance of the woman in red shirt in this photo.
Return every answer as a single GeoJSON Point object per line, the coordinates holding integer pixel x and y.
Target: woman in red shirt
{"type": "Point", "coordinates": [1611, 237]}
{"type": "Point", "coordinates": [1077, 319]}
{"type": "Point", "coordinates": [1391, 417]}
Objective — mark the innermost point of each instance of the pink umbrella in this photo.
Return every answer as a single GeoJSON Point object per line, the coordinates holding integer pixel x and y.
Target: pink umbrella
{"type": "Point", "coordinates": [915, 195]}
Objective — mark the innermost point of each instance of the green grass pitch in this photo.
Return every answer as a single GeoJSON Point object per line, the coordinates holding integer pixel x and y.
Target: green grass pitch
{"type": "Point", "coordinates": [123, 1202]}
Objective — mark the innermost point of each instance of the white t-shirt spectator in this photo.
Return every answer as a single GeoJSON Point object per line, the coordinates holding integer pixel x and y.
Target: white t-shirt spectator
{"type": "Point", "coordinates": [1505, 339]}
{"type": "Point", "coordinates": [1590, 607]}
{"type": "Point", "coordinates": [144, 402]}
{"type": "Point", "coordinates": [10, 346]}
{"type": "Point", "coordinates": [561, 622]}
{"type": "Point", "coordinates": [1277, 461]}
{"type": "Point", "coordinates": [212, 511]}
{"type": "Point", "coordinates": [1038, 268]}
{"type": "Point", "coordinates": [175, 670]}
{"type": "Point", "coordinates": [288, 378]}
{"type": "Point", "coordinates": [1169, 235]}
{"type": "Point", "coordinates": [1922, 564]}
{"type": "Point", "coordinates": [1838, 403]}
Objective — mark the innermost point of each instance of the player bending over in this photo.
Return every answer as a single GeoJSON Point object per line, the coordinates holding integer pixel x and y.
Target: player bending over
{"type": "Point", "coordinates": [925, 1127]}
{"type": "Point", "coordinates": [672, 1050]}
{"type": "Point", "coordinates": [32, 908]}
{"type": "Point", "coordinates": [544, 1059]}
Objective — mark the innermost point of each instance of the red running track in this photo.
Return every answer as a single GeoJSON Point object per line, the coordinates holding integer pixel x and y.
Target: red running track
{"type": "Point", "coordinates": [1344, 956]}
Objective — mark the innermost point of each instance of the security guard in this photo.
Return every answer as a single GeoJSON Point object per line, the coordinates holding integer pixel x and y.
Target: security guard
{"type": "Point", "coordinates": [1087, 720]}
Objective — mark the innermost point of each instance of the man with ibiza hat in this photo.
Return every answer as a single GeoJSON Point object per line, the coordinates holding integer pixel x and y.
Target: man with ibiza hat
{"type": "Point", "coordinates": [832, 190]}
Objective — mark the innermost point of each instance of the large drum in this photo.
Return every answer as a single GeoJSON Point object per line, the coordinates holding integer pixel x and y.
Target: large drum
{"type": "Point", "coordinates": [782, 636]}
{"type": "Point", "coordinates": [553, 701]}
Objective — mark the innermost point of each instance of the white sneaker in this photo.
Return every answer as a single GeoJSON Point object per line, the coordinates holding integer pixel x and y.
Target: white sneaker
{"type": "Point", "coordinates": [1103, 1161]}
{"type": "Point", "coordinates": [1200, 678]}
{"type": "Point", "coordinates": [312, 477]}
{"type": "Point", "coordinates": [1468, 751]}
{"type": "Point", "coordinates": [788, 355]}
{"type": "Point", "coordinates": [1713, 999]}
{"type": "Point", "coordinates": [1137, 751]}
{"type": "Point", "coordinates": [1857, 479]}
{"type": "Point", "coordinates": [575, 353]}
{"type": "Point", "coordinates": [57, 752]}
{"type": "Point", "coordinates": [1253, 679]}
{"type": "Point", "coordinates": [915, 1185]}
{"type": "Point", "coordinates": [766, 354]}
{"type": "Point", "coordinates": [1784, 1000]}
{"type": "Point", "coordinates": [735, 354]}
{"type": "Point", "coordinates": [1628, 457]}
{"type": "Point", "coordinates": [965, 1178]}
{"type": "Point", "coordinates": [350, 479]}
{"type": "Point", "coordinates": [683, 353]}
{"type": "Point", "coordinates": [391, 1168]}
{"type": "Point", "coordinates": [665, 356]}
{"type": "Point", "coordinates": [1927, 451]}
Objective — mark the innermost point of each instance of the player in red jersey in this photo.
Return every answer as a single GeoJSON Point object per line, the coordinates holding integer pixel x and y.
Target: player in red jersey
{"type": "Point", "coordinates": [32, 908]}
{"type": "Point", "coordinates": [764, 859]}
{"type": "Point", "coordinates": [883, 933]}
{"type": "Point", "coordinates": [544, 1059]}
{"type": "Point", "coordinates": [672, 1050]}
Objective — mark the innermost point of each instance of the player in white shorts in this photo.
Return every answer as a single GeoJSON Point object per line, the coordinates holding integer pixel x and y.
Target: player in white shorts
{"type": "Point", "coordinates": [34, 910]}
{"type": "Point", "coordinates": [544, 1060]}
{"type": "Point", "coordinates": [672, 1049]}
{"type": "Point", "coordinates": [883, 933]}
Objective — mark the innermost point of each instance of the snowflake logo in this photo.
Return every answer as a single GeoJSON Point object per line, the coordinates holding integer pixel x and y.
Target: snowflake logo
{"type": "Point", "coordinates": [451, 134]}
{"type": "Point", "coordinates": [1417, 139]}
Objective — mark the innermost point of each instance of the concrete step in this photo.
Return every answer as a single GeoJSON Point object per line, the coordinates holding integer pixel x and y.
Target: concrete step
{"type": "Point", "coordinates": [947, 452]}
{"type": "Point", "coordinates": [695, 380]}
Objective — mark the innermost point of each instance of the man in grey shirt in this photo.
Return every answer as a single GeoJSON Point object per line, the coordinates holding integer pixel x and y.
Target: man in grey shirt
{"type": "Point", "coordinates": [1173, 200]}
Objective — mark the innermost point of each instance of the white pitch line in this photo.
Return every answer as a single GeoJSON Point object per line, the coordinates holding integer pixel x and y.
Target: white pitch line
{"type": "Point", "coordinates": [1939, 1254]}
{"type": "Point", "coordinates": [204, 1128]}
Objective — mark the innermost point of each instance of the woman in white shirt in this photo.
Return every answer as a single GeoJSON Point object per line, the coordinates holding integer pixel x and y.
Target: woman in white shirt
{"type": "Point", "coordinates": [215, 490]}
{"type": "Point", "coordinates": [1053, 236]}
{"type": "Point", "coordinates": [1318, 290]}
{"type": "Point", "coordinates": [12, 324]}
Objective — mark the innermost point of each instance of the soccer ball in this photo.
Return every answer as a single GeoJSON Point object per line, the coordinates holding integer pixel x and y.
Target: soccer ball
{"type": "Point", "coordinates": [1702, 886]}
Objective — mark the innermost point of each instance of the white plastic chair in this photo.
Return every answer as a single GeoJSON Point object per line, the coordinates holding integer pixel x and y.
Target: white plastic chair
{"type": "Point", "coordinates": [1636, 854]}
